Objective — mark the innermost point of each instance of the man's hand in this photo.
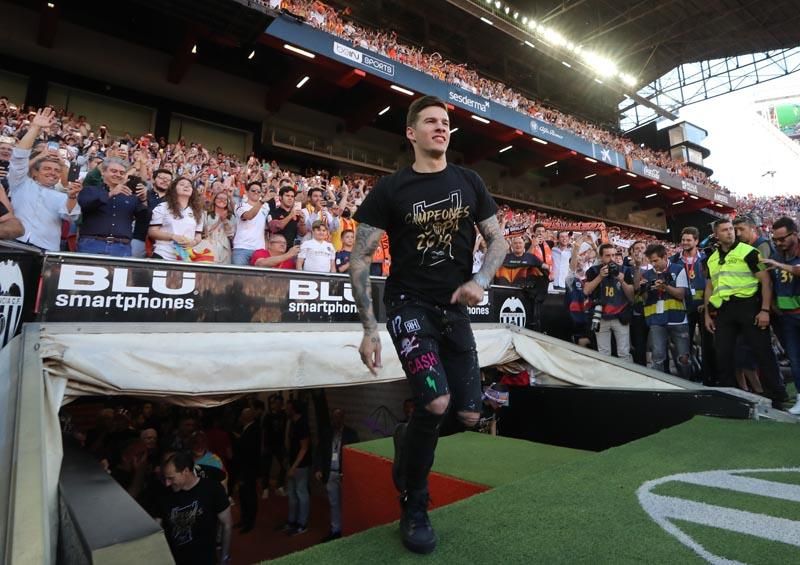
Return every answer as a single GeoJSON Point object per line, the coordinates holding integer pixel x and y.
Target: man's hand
{"type": "Point", "coordinates": [293, 251]}
{"type": "Point", "coordinates": [73, 189]}
{"type": "Point", "coordinates": [773, 264]}
{"type": "Point", "coordinates": [121, 188]}
{"type": "Point", "coordinates": [710, 325]}
{"type": "Point", "coordinates": [621, 277]}
{"type": "Point", "coordinates": [141, 192]}
{"type": "Point", "coordinates": [604, 271]}
{"type": "Point", "coordinates": [290, 471]}
{"type": "Point", "coordinates": [470, 293]}
{"type": "Point", "coordinates": [370, 351]}
{"type": "Point", "coordinates": [44, 118]}
{"type": "Point", "coordinates": [318, 475]}
{"type": "Point", "coordinates": [762, 320]}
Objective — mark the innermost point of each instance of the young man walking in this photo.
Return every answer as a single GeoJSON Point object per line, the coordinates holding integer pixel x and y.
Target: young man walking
{"type": "Point", "coordinates": [429, 211]}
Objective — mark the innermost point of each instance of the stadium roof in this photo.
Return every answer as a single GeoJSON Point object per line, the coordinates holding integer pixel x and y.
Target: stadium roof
{"type": "Point", "coordinates": [651, 37]}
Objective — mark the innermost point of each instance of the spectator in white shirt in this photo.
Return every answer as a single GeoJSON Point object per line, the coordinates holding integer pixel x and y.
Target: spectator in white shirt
{"type": "Point", "coordinates": [177, 220]}
{"type": "Point", "coordinates": [315, 212]}
{"type": "Point", "coordinates": [252, 216]}
{"type": "Point", "coordinates": [562, 253]}
{"type": "Point", "coordinates": [317, 254]}
{"type": "Point", "coordinates": [37, 204]}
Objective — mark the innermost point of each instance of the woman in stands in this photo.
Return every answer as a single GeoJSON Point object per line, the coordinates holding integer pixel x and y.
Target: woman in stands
{"type": "Point", "coordinates": [177, 222]}
{"type": "Point", "coordinates": [220, 227]}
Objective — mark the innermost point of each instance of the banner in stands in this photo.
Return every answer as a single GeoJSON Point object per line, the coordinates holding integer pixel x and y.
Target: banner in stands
{"type": "Point", "coordinates": [86, 289]}
{"type": "Point", "coordinates": [343, 50]}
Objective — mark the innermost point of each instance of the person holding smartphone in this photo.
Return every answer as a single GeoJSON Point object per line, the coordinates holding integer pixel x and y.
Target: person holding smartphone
{"type": "Point", "coordinates": [252, 215]}
{"type": "Point", "coordinates": [287, 217]}
{"type": "Point", "coordinates": [109, 210]}
{"type": "Point", "coordinates": [31, 180]}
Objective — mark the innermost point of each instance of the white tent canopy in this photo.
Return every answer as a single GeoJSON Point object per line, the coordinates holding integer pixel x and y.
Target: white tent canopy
{"type": "Point", "coordinates": [209, 367]}
{"type": "Point", "coordinates": [208, 364]}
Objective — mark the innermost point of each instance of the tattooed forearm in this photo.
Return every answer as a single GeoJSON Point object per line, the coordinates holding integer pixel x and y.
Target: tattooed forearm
{"type": "Point", "coordinates": [367, 239]}
{"type": "Point", "coordinates": [496, 251]}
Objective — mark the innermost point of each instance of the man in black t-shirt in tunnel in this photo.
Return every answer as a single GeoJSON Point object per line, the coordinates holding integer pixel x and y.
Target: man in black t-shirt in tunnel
{"type": "Point", "coordinates": [429, 211]}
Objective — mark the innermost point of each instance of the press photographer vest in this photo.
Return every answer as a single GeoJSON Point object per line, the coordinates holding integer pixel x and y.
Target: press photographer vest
{"type": "Point", "coordinates": [609, 293]}
{"type": "Point", "coordinates": [787, 287]}
{"type": "Point", "coordinates": [732, 277]}
{"type": "Point", "coordinates": [696, 277]}
{"type": "Point", "coordinates": [661, 309]}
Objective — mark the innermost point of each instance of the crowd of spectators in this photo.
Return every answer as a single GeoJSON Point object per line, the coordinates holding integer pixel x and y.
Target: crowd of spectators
{"type": "Point", "coordinates": [767, 209]}
{"type": "Point", "coordinates": [386, 43]}
{"type": "Point", "coordinates": [144, 197]}
{"type": "Point", "coordinates": [241, 453]}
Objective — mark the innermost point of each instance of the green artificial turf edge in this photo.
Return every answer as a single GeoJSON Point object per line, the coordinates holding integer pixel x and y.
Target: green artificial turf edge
{"type": "Point", "coordinates": [484, 459]}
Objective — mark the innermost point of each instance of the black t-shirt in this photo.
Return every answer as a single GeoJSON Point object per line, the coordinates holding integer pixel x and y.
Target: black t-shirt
{"type": "Point", "coordinates": [430, 220]}
{"type": "Point", "coordinates": [299, 431]}
{"type": "Point", "coordinates": [275, 432]}
{"type": "Point", "coordinates": [290, 231]}
{"type": "Point", "coordinates": [140, 227]}
{"type": "Point", "coordinates": [190, 522]}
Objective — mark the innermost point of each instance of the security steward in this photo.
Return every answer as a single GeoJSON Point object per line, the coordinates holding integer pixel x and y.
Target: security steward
{"type": "Point", "coordinates": [737, 299]}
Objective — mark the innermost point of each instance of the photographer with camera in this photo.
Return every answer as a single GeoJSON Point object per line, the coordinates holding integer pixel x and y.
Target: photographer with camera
{"type": "Point", "coordinates": [612, 292]}
{"type": "Point", "coordinates": [664, 288]}
{"type": "Point", "coordinates": [109, 210]}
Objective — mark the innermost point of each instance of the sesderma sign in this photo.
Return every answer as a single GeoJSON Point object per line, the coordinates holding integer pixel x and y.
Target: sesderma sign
{"type": "Point", "coordinates": [471, 103]}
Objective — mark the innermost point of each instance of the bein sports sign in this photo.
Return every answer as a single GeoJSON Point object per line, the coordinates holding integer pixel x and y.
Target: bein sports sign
{"type": "Point", "coordinates": [356, 56]}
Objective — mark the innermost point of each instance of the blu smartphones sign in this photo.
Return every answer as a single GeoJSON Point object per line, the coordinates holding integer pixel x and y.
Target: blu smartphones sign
{"type": "Point", "coordinates": [98, 290]}
{"type": "Point", "coordinates": [99, 287]}
{"type": "Point", "coordinates": [363, 59]}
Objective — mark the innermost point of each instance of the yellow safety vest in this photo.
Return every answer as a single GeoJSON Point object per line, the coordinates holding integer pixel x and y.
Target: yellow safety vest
{"type": "Point", "coordinates": [732, 277]}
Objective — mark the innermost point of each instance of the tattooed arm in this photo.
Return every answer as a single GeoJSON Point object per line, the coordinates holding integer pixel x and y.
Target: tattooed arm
{"type": "Point", "coordinates": [367, 240]}
{"type": "Point", "coordinates": [471, 292]}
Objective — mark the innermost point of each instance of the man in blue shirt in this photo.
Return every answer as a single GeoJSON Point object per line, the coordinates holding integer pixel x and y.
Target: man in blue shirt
{"type": "Point", "coordinates": [343, 256]}
{"type": "Point", "coordinates": [109, 211]}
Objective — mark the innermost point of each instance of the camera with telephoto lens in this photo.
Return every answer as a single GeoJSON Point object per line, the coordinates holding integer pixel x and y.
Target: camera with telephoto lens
{"type": "Point", "coordinates": [613, 270]}
{"type": "Point", "coordinates": [596, 317]}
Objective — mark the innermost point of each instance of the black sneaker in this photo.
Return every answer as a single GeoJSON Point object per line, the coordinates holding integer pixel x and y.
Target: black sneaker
{"type": "Point", "coordinates": [297, 530]}
{"type": "Point", "coordinates": [331, 536]}
{"type": "Point", "coordinates": [415, 526]}
{"type": "Point", "coordinates": [399, 464]}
